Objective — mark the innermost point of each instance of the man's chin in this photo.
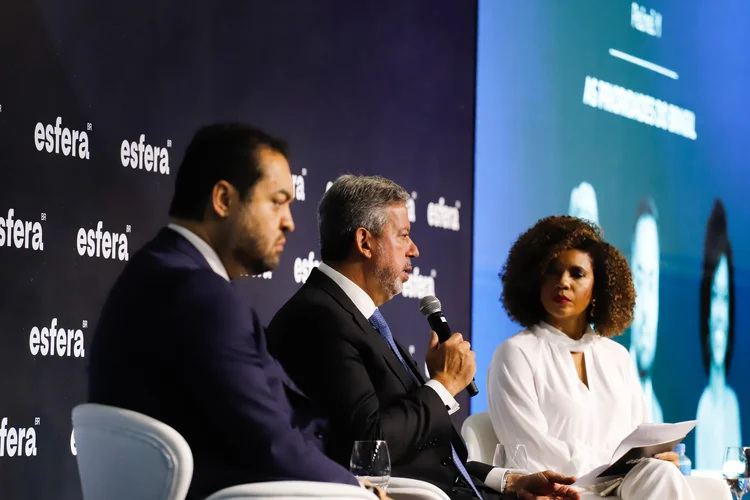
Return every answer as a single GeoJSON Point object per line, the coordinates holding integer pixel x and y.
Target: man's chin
{"type": "Point", "coordinates": [262, 266]}
{"type": "Point", "coordinates": [395, 290]}
{"type": "Point", "coordinates": [270, 265]}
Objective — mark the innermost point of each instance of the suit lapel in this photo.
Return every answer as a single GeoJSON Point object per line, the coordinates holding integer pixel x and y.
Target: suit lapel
{"type": "Point", "coordinates": [319, 280]}
{"type": "Point", "coordinates": [411, 362]}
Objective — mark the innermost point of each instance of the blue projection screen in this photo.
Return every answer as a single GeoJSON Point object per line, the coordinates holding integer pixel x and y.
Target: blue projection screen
{"type": "Point", "coordinates": [635, 116]}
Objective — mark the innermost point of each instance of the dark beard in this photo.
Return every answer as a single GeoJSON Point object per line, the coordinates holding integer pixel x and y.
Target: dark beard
{"type": "Point", "coordinates": [259, 265]}
{"type": "Point", "coordinates": [250, 255]}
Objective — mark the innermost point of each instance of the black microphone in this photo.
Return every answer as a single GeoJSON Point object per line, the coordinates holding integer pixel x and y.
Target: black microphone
{"type": "Point", "coordinates": [430, 306]}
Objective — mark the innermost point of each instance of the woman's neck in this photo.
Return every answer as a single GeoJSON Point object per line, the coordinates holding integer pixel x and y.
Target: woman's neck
{"type": "Point", "coordinates": [716, 379]}
{"type": "Point", "coordinates": [574, 327]}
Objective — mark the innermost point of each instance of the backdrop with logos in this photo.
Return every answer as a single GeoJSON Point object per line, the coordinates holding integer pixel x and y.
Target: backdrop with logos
{"type": "Point", "coordinates": [97, 104]}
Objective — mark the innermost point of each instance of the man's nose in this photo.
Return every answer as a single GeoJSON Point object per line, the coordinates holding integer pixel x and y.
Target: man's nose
{"type": "Point", "coordinates": [413, 251]}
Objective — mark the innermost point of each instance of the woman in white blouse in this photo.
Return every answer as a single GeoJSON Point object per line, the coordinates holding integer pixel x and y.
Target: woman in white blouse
{"type": "Point", "coordinates": [563, 389]}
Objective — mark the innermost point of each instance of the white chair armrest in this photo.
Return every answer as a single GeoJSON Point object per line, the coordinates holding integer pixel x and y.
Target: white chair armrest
{"type": "Point", "coordinates": [292, 490]}
{"type": "Point", "coordinates": [708, 488]}
{"type": "Point", "coordinates": [402, 488]}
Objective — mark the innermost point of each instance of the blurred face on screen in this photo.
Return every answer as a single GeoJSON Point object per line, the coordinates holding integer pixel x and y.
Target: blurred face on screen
{"type": "Point", "coordinates": [567, 286]}
{"type": "Point", "coordinates": [718, 322]}
{"type": "Point", "coordinates": [392, 251]}
{"type": "Point", "coordinates": [257, 229]}
{"type": "Point", "coordinates": [583, 203]}
{"type": "Point", "coordinates": [645, 267]}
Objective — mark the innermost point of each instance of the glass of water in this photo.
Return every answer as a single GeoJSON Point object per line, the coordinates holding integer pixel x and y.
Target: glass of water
{"type": "Point", "coordinates": [371, 462]}
{"type": "Point", "coordinates": [511, 456]}
{"type": "Point", "coordinates": [735, 470]}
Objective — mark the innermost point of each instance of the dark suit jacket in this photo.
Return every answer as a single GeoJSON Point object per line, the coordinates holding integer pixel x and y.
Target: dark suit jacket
{"type": "Point", "coordinates": [176, 342]}
{"type": "Point", "coordinates": [333, 353]}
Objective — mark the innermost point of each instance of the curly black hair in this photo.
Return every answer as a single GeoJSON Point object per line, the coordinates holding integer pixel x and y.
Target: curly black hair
{"type": "Point", "coordinates": [532, 253]}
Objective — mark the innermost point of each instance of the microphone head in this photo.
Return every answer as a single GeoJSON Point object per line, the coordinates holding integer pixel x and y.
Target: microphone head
{"type": "Point", "coordinates": [430, 305]}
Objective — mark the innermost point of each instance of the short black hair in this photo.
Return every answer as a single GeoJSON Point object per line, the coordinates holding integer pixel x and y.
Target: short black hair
{"type": "Point", "coordinates": [222, 151]}
{"type": "Point", "coordinates": [716, 245]}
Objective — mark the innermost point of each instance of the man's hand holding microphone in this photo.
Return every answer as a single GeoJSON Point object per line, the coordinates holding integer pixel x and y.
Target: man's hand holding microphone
{"type": "Point", "coordinates": [451, 363]}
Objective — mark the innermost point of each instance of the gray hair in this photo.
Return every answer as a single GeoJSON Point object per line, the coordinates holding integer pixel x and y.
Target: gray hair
{"type": "Point", "coordinates": [354, 201]}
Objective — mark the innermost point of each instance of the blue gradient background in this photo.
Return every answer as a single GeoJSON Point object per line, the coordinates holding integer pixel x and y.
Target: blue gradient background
{"type": "Point", "coordinates": [536, 140]}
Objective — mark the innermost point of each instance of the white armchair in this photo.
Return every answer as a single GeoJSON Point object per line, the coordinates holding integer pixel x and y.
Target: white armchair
{"type": "Point", "coordinates": [124, 455]}
{"type": "Point", "coordinates": [480, 437]}
{"type": "Point", "coordinates": [481, 442]}
{"type": "Point", "coordinates": [292, 490]}
{"type": "Point", "coordinates": [401, 488]}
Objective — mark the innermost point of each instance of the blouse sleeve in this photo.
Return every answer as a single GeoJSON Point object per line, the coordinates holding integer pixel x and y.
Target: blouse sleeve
{"type": "Point", "coordinates": [639, 406]}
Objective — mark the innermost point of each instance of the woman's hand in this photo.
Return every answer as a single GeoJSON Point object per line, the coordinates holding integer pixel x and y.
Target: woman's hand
{"type": "Point", "coordinates": [669, 456]}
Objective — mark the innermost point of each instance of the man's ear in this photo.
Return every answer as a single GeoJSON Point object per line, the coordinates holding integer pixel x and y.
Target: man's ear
{"type": "Point", "coordinates": [223, 195]}
{"type": "Point", "coordinates": [363, 241]}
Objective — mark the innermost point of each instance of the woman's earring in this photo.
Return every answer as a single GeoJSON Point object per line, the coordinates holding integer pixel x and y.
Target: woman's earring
{"type": "Point", "coordinates": [593, 306]}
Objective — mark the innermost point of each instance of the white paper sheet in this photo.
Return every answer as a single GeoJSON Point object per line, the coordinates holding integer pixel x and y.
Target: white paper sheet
{"type": "Point", "coordinates": [645, 441]}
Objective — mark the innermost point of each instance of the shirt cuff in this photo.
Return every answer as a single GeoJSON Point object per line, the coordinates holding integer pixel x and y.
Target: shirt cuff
{"type": "Point", "coordinates": [449, 401]}
{"type": "Point", "coordinates": [496, 479]}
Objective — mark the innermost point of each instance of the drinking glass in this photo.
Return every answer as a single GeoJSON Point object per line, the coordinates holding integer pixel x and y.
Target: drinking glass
{"type": "Point", "coordinates": [735, 470]}
{"type": "Point", "coordinates": [370, 461]}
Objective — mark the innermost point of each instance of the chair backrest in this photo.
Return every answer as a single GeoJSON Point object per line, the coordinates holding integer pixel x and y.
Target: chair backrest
{"type": "Point", "coordinates": [480, 437]}
{"type": "Point", "coordinates": [293, 490]}
{"type": "Point", "coordinates": [402, 488]}
{"type": "Point", "coordinates": [124, 455]}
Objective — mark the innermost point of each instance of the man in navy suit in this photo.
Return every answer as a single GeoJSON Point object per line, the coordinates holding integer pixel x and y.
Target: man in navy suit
{"type": "Point", "coordinates": [175, 341]}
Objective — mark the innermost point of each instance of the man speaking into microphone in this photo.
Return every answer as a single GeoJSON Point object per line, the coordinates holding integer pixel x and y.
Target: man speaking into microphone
{"type": "Point", "coordinates": [336, 345]}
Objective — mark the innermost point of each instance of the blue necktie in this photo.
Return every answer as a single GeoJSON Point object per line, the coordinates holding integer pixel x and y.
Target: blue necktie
{"type": "Point", "coordinates": [378, 321]}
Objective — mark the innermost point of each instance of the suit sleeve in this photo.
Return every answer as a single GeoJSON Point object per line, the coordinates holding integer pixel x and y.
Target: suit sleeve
{"type": "Point", "coordinates": [225, 369]}
{"type": "Point", "coordinates": [344, 387]}
{"type": "Point", "coordinates": [477, 469]}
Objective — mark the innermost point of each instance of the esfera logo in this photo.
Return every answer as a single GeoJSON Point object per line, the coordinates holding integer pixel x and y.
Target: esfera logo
{"type": "Point", "coordinates": [419, 286]}
{"type": "Point", "coordinates": [298, 182]}
{"type": "Point", "coordinates": [17, 441]}
{"type": "Point", "coordinates": [142, 156]}
{"type": "Point", "coordinates": [104, 244]}
{"type": "Point", "coordinates": [444, 216]}
{"type": "Point", "coordinates": [56, 139]}
{"type": "Point", "coordinates": [411, 207]}
{"type": "Point", "coordinates": [304, 266]}
{"type": "Point", "coordinates": [57, 341]}
{"type": "Point", "coordinates": [18, 233]}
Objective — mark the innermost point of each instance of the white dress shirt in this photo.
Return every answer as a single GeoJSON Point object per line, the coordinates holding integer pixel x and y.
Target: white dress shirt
{"type": "Point", "coordinates": [537, 399]}
{"type": "Point", "coordinates": [204, 248]}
